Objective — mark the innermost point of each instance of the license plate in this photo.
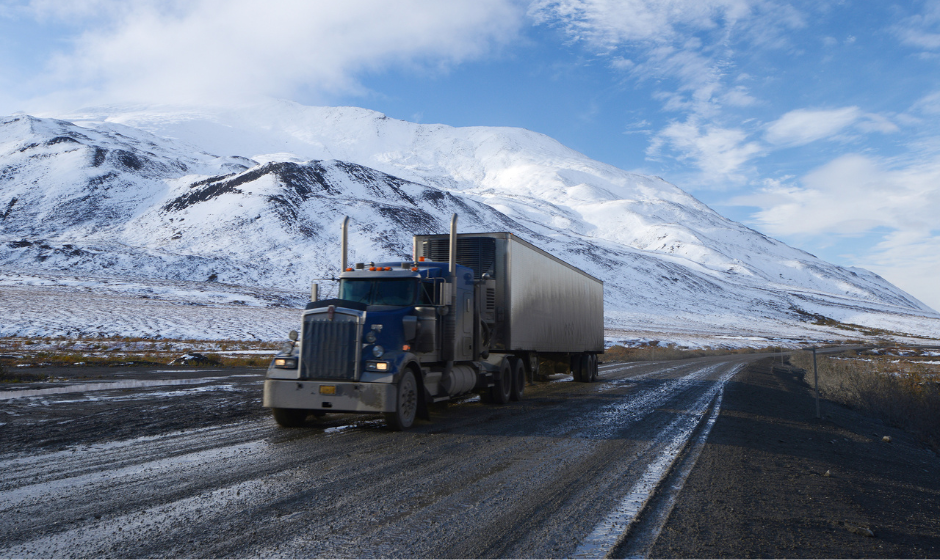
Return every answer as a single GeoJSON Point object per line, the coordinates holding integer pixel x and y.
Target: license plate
{"type": "Point", "coordinates": [327, 389]}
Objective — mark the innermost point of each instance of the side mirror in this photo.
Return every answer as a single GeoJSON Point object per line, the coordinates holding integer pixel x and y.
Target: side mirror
{"type": "Point", "coordinates": [292, 335]}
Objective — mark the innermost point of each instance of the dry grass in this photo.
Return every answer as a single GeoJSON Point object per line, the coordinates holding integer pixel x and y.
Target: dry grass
{"type": "Point", "coordinates": [47, 352]}
{"type": "Point", "coordinates": [903, 392]}
{"type": "Point", "coordinates": [654, 352]}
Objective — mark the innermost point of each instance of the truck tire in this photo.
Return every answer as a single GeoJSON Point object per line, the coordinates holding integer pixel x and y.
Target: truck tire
{"type": "Point", "coordinates": [586, 374]}
{"type": "Point", "coordinates": [594, 369]}
{"type": "Point", "coordinates": [289, 417]}
{"type": "Point", "coordinates": [518, 380]}
{"type": "Point", "coordinates": [577, 371]}
{"type": "Point", "coordinates": [406, 404]}
{"type": "Point", "coordinates": [502, 383]}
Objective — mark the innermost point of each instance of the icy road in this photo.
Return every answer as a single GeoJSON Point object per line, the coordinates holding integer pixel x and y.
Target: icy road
{"type": "Point", "coordinates": [170, 463]}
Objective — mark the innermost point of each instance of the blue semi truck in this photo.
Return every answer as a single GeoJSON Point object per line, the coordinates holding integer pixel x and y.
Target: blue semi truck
{"type": "Point", "coordinates": [475, 312]}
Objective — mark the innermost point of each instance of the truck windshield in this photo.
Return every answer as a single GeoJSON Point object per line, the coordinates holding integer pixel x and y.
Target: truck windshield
{"type": "Point", "coordinates": [379, 292]}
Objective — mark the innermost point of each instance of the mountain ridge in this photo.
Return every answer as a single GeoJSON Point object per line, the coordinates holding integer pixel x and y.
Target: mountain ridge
{"type": "Point", "coordinates": [134, 193]}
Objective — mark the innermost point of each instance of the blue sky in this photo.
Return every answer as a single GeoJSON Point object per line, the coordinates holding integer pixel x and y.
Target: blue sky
{"type": "Point", "coordinates": [814, 122]}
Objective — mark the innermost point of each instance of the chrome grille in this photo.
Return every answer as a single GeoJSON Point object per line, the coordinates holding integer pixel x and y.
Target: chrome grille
{"type": "Point", "coordinates": [330, 347]}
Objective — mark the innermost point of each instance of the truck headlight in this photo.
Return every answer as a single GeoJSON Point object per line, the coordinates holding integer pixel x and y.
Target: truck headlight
{"type": "Point", "coordinates": [286, 348]}
{"type": "Point", "coordinates": [377, 366]}
{"type": "Point", "coordinates": [285, 363]}
{"type": "Point", "coordinates": [377, 351]}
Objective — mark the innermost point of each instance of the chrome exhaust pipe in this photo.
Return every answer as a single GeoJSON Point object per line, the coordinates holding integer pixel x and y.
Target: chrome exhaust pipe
{"type": "Point", "coordinates": [344, 243]}
{"type": "Point", "coordinates": [453, 250]}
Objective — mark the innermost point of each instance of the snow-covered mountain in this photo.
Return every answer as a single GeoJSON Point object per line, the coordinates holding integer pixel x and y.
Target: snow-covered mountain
{"type": "Point", "coordinates": [255, 195]}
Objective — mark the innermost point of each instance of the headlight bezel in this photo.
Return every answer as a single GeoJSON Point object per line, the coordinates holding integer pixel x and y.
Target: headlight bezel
{"type": "Point", "coordinates": [285, 362]}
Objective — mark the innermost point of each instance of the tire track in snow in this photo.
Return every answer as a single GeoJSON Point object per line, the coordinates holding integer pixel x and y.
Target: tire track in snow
{"type": "Point", "coordinates": [610, 530]}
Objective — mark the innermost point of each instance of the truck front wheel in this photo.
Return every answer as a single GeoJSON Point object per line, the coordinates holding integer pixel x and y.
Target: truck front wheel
{"type": "Point", "coordinates": [289, 417]}
{"type": "Point", "coordinates": [406, 406]}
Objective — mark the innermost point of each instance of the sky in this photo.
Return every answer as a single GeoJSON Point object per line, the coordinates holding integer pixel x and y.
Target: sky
{"type": "Point", "coordinates": [815, 122]}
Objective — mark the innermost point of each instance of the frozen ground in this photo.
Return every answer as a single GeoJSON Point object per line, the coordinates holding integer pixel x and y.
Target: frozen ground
{"type": "Point", "coordinates": [187, 464]}
{"type": "Point", "coordinates": [47, 304]}
{"type": "Point", "coordinates": [51, 305]}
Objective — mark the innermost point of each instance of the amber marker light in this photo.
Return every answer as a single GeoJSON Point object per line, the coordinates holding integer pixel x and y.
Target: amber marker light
{"type": "Point", "coordinates": [406, 347]}
{"type": "Point", "coordinates": [420, 259]}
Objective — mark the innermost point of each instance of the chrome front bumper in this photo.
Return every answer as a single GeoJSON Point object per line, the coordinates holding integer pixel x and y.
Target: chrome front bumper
{"type": "Point", "coordinates": [348, 397]}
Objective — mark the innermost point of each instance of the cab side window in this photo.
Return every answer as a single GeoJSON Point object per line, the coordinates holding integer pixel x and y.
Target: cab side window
{"type": "Point", "coordinates": [426, 294]}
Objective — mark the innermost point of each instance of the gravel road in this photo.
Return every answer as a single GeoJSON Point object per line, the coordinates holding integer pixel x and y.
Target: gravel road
{"type": "Point", "coordinates": [186, 463]}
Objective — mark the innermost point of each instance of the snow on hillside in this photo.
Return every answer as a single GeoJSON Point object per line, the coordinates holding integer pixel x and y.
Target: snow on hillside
{"type": "Point", "coordinates": [255, 196]}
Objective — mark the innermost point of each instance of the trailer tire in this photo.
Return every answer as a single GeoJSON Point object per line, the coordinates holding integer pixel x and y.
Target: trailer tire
{"type": "Point", "coordinates": [406, 403]}
{"type": "Point", "coordinates": [502, 383]}
{"type": "Point", "coordinates": [586, 373]}
{"type": "Point", "coordinates": [518, 380]}
{"type": "Point", "coordinates": [290, 417]}
{"type": "Point", "coordinates": [577, 368]}
{"type": "Point", "coordinates": [592, 360]}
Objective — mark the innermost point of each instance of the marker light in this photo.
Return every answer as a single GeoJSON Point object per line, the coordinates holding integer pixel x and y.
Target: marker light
{"type": "Point", "coordinates": [420, 259]}
{"type": "Point", "coordinates": [350, 269]}
{"type": "Point", "coordinates": [414, 269]}
{"type": "Point", "coordinates": [406, 347]}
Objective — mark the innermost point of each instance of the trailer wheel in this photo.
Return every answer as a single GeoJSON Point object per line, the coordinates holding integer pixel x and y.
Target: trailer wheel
{"type": "Point", "coordinates": [502, 383]}
{"type": "Point", "coordinates": [593, 366]}
{"type": "Point", "coordinates": [518, 380]}
{"type": "Point", "coordinates": [289, 417]}
{"type": "Point", "coordinates": [586, 374]}
{"type": "Point", "coordinates": [577, 369]}
{"type": "Point", "coordinates": [406, 405]}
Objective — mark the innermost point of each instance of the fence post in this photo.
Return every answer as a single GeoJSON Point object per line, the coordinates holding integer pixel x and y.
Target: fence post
{"type": "Point", "coordinates": [816, 382]}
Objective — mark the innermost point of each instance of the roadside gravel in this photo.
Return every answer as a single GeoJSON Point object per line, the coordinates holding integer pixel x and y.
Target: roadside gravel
{"type": "Point", "coordinates": [773, 481]}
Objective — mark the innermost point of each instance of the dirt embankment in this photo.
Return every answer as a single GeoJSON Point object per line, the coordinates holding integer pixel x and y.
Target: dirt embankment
{"type": "Point", "coordinates": [773, 481]}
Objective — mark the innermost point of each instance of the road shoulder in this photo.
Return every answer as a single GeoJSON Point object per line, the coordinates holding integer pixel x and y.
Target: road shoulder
{"type": "Point", "coordinates": [773, 481]}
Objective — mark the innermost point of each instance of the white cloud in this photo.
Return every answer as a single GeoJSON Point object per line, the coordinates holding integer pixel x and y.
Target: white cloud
{"type": "Point", "coordinates": [855, 195]}
{"type": "Point", "coordinates": [688, 49]}
{"type": "Point", "coordinates": [689, 41]}
{"type": "Point", "coordinates": [803, 126]}
{"type": "Point", "coordinates": [851, 195]}
{"type": "Point", "coordinates": [213, 50]}
{"type": "Point", "coordinates": [910, 261]}
{"type": "Point", "coordinates": [928, 104]}
{"type": "Point", "coordinates": [921, 30]}
{"type": "Point", "coordinates": [718, 152]}
{"type": "Point", "coordinates": [610, 22]}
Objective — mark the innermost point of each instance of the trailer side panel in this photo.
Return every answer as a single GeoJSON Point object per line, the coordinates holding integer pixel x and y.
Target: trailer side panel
{"type": "Point", "coordinates": [552, 307]}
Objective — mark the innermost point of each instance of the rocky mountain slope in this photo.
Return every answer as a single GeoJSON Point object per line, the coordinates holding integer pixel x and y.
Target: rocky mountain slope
{"type": "Point", "coordinates": [255, 196]}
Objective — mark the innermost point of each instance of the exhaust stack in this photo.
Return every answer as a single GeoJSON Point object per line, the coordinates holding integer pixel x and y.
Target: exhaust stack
{"type": "Point", "coordinates": [344, 243]}
{"type": "Point", "coordinates": [453, 249]}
